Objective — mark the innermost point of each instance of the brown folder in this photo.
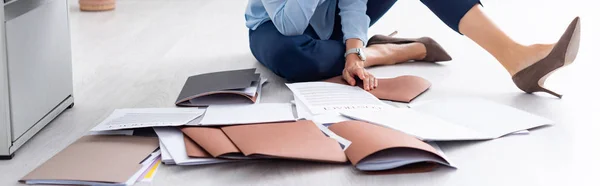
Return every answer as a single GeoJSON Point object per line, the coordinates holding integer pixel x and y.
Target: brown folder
{"type": "Point", "coordinates": [300, 140]}
{"type": "Point", "coordinates": [368, 139]}
{"type": "Point", "coordinates": [194, 150]}
{"type": "Point", "coordinates": [213, 140]}
{"type": "Point", "coordinates": [106, 159]}
{"type": "Point", "coordinates": [401, 88]}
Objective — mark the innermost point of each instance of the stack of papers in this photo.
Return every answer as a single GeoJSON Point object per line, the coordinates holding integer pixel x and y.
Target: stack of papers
{"type": "Point", "coordinates": [214, 115]}
{"type": "Point", "coordinates": [220, 88]}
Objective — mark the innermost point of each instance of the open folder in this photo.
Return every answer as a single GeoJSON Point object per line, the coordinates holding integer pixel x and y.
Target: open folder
{"type": "Point", "coordinates": [227, 87]}
{"type": "Point", "coordinates": [95, 160]}
{"type": "Point", "coordinates": [373, 148]}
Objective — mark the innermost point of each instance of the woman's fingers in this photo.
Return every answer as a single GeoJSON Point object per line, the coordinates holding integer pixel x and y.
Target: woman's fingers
{"type": "Point", "coordinates": [348, 77]}
{"type": "Point", "coordinates": [372, 80]}
{"type": "Point", "coordinates": [369, 81]}
{"type": "Point", "coordinates": [360, 72]}
{"type": "Point", "coordinates": [367, 84]}
{"type": "Point", "coordinates": [376, 82]}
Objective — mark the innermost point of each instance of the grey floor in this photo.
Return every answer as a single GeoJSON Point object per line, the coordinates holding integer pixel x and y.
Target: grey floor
{"type": "Point", "coordinates": [140, 54]}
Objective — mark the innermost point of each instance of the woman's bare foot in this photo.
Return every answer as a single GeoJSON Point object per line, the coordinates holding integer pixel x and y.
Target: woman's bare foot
{"type": "Point", "coordinates": [389, 54]}
{"type": "Point", "coordinates": [524, 56]}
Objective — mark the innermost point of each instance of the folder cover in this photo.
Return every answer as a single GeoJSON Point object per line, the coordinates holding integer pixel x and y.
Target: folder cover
{"type": "Point", "coordinates": [213, 140]}
{"type": "Point", "coordinates": [219, 85]}
{"type": "Point", "coordinates": [301, 140]}
{"type": "Point", "coordinates": [401, 88]}
{"type": "Point", "coordinates": [95, 159]}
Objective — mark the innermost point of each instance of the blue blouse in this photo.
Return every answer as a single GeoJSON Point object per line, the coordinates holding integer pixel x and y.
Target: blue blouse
{"type": "Point", "coordinates": [292, 17]}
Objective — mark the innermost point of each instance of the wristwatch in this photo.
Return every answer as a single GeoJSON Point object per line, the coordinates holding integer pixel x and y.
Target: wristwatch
{"type": "Point", "coordinates": [358, 51]}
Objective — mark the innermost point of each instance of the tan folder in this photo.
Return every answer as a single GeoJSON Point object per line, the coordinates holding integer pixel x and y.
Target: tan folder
{"type": "Point", "coordinates": [107, 159]}
{"type": "Point", "coordinates": [213, 140]}
{"type": "Point", "coordinates": [300, 140]}
{"type": "Point", "coordinates": [368, 139]}
{"type": "Point", "coordinates": [401, 88]}
{"type": "Point", "coordinates": [194, 150]}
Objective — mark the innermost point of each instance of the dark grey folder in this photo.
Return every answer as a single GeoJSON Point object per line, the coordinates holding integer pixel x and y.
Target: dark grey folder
{"type": "Point", "coordinates": [227, 85]}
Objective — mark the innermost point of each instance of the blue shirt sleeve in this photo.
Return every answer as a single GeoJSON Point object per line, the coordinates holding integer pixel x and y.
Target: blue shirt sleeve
{"type": "Point", "coordinates": [355, 21]}
{"type": "Point", "coordinates": [290, 17]}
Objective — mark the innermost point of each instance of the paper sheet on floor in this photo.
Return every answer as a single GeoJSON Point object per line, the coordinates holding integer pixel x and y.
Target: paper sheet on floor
{"type": "Point", "coordinates": [247, 114]}
{"type": "Point", "coordinates": [148, 117]}
{"type": "Point", "coordinates": [324, 97]}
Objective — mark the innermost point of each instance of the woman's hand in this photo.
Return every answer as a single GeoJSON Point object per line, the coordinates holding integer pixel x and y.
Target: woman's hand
{"type": "Point", "coordinates": [356, 67]}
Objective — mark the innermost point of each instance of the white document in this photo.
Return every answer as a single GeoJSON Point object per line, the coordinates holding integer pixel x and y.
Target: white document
{"type": "Point", "coordinates": [172, 139]}
{"type": "Point", "coordinates": [253, 89]}
{"type": "Point", "coordinates": [112, 132]}
{"type": "Point", "coordinates": [344, 143]}
{"type": "Point", "coordinates": [454, 120]}
{"type": "Point", "coordinates": [393, 158]}
{"type": "Point", "coordinates": [301, 110]}
{"type": "Point", "coordinates": [482, 115]}
{"type": "Point", "coordinates": [148, 117]}
{"type": "Point", "coordinates": [165, 155]}
{"type": "Point", "coordinates": [422, 126]}
{"type": "Point", "coordinates": [324, 97]}
{"type": "Point", "coordinates": [247, 114]}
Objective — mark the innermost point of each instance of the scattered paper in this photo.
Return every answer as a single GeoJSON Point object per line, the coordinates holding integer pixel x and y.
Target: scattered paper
{"type": "Point", "coordinates": [419, 125]}
{"type": "Point", "coordinates": [324, 97]}
{"type": "Point", "coordinates": [112, 132]}
{"type": "Point", "coordinates": [454, 119]}
{"type": "Point", "coordinates": [344, 143]}
{"type": "Point", "coordinates": [301, 110]}
{"type": "Point", "coordinates": [165, 156]}
{"type": "Point", "coordinates": [247, 114]}
{"type": "Point", "coordinates": [148, 117]}
{"type": "Point", "coordinates": [482, 115]}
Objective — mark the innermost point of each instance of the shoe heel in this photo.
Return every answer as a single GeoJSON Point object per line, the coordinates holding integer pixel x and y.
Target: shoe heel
{"type": "Point", "coordinates": [542, 89]}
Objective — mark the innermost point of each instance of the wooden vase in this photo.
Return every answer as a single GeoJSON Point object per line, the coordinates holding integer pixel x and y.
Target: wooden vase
{"type": "Point", "coordinates": [96, 5]}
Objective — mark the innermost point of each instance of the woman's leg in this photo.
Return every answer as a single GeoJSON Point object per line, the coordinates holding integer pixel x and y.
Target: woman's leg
{"type": "Point", "coordinates": [467, 17]}
{"type": "Point", "coordinates": [512, 55]}
{"type": "Point", "coordinates": [297, 58]}
{"type": "Point", "coordinates": [304, 58]}
{"type": "Point", "coordinates": [385, 54]}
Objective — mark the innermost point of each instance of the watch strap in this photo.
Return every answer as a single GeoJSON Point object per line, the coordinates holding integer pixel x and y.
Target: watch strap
{"type": "Point", "coordinates": [352, 51]}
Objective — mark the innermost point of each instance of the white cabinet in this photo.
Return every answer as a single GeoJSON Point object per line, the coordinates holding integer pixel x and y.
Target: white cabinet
{"type": "Point", "coordinates": [36, 68]}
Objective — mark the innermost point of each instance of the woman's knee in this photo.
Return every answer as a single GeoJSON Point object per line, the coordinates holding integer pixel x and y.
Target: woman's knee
{"type": "Point", "coordinates": [451, 12]}
{"type": "Point", "coordinates": [292, 61]}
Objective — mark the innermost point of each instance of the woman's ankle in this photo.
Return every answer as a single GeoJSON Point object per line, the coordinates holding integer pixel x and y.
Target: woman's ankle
{"type": "Point", "coordinates": [389, 54]}
{"type": "Point", "coordinates": [524, 56]}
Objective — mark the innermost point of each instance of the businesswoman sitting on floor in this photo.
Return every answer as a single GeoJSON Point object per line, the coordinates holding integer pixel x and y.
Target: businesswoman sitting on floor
{"type": "Point", "coordinates": [307, 40]}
